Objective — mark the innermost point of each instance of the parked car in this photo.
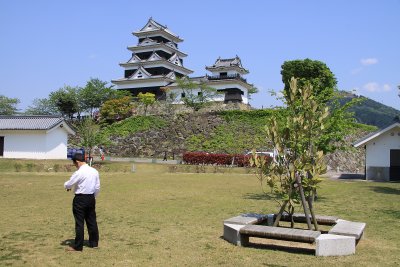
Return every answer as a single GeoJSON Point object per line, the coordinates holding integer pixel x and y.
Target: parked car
{"type": "Point", "coordinates": [261, 153]}
{"type": "Point", "coordinates": [72, 151]}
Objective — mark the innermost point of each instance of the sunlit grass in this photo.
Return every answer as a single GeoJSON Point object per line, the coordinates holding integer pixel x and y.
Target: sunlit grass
{"type": "Point", "coordinates": [156, 218]}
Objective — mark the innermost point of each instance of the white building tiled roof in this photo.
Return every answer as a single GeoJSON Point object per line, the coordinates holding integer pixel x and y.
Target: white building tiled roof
{"type": "Point", "coordinates": [29, 122]}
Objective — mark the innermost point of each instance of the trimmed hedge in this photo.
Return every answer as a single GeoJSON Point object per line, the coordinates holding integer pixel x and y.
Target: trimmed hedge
{"type": "Point", "coordinates": [204, 158]}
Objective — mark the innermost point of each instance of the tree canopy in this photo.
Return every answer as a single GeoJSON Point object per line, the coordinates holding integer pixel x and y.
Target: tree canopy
{"type": "Point", "coordinates": [42, 106]}
{"type": "Point", "coordinates": [146, 100]}
{"type": "Point", "coordinates": [67, 100]}
{"type": "Point", "coordinates": [94, 94]}
{"type": "Point", "coordinates": [116, 109]}
{"type": "Point", "coordinates": [8, 106]}
{"type": "Point", "coordinates": [313, 72]}
{"type": "Point", "coordinates": [196, 95]}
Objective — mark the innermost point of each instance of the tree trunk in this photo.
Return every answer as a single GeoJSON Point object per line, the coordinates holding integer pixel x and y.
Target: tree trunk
{"type": "Point", "coordinates": [278, 217]}
{"type": "Point", "coordinates": [303, 202]}
{"type": "Point", "coordinates": [310, 205]}
{"type": "Point", "coordinates": [291, 217]}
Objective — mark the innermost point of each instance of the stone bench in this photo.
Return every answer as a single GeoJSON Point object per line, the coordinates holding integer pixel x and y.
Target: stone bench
{"type": "Point", "coordinates": [348, 228]}
{"type": "Point", "coordinates": [335, 245]}
{"type": "Point", "coordinates": [278, 233]}
{"type": "Point", "coordinates": [248, 218]}
{"type": "Point", "coordinates": [301, 218]}
{"type": "Point", "coordinates": [341, 239]}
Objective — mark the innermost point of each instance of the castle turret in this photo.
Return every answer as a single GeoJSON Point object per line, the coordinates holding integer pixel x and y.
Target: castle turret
{"type": "Point", "coordinates": [156, 61]}
{"type": "Point", "coordinates": [227, 77]}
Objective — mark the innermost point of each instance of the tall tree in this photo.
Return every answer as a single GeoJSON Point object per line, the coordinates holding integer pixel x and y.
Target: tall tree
{"type": "Point", "coordinates": [67, 100]}
{"type": "Point", "coordinates": [316, 74]}
{"type": "Point", "coordinates": [313, 72]}
{"type": "Point", "coordinates": [89, 135]}
{"type": "Point", "coordinates": [146, 100]}
{"type": "Point", "coordinates": [298, 164]}
{"type": "Point", "coordinates": [94, 94]}
{"type": "Point", "coordinates": [116, 109]}
{"type": "Point", "coordinates": [8, 106]}
{"type": "Point", "coordinates": [42, 106]}
{"type": "Point", "coordinates": [196, 95]}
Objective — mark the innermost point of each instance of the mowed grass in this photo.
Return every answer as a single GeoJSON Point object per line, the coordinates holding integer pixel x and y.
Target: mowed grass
{"type": "Point", "coordinates": [156, 218]}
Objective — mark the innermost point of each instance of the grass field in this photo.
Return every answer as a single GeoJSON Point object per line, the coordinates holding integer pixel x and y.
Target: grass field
{"type": "Point", "coordinates": [156, 218]}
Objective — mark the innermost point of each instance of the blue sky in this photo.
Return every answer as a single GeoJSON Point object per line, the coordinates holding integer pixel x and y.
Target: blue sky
{"type": "Point", "coordinates": [48, 44]}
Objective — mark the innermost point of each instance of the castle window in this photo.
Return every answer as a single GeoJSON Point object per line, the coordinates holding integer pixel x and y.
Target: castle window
{"type": "Point", "coordinates": [183, 95]}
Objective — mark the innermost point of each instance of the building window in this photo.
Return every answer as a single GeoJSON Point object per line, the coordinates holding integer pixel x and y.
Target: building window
{"type": "Point", "coordinates": [223, 74]}
{"type": "Point", "coordinates": [183, 95]}
{"type": "Point", "coordinates": [200, 93]}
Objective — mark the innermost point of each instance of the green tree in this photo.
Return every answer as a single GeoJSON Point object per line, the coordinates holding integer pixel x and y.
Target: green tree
{"type": "Point", "coordinates": [68, 101]}
{"type": "Point", "coordinates": [146, 100]}
{"type": "Point", "coordinates": [8, 106]}
{"type": "Point", "coordinates": [89, 135]}
{"type": "Point", "coordinates": [94, 94]}
{"type": "Point", "coordinates": [253, 90]}
{"type": "Point", "coordinates": [116, 109]}
{"type": "Point", "coordinates": [295, 172]}
{"type": "Point", "coordinates": [196, 95]}
{"type": "Point", "coordinates": [314, 72]}
{"type": "Point", "coordinates": [42, 106]}
{"type": "Point", "coordinates": [317, 75]}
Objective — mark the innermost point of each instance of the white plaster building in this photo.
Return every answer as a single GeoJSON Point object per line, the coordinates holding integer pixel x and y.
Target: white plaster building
{"type": "Point", "coordinates": [382, 154]}
{"type": "Point", "coordinates": [156, 62]}
{"type": "Point", "coordinates": [34, 137]}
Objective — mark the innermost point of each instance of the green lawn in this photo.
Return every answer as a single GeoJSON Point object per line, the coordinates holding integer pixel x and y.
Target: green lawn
{"type": "Point", "coordinates": [156, 218]}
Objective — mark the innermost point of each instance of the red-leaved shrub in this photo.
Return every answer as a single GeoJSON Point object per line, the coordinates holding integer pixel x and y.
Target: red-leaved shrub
{"type": "Point", "coordinates": [204, 158]}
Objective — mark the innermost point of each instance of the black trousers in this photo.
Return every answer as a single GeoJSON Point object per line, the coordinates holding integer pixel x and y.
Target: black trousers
{"type": "Point", "coordinates": [84, 209]}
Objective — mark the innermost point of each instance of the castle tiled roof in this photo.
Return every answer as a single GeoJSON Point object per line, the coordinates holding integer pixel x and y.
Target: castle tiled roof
{"type": "Point", "coordinates": [221, 63]}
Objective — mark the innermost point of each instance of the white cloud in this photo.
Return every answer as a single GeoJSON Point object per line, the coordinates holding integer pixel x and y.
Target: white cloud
{"type": "Point", "coordinates": [375, 87]}
{"type": "Point", "coordinates": [386, 87]}
{"type": "Point", "coordinates": [368, 61]}
{"type": "Point", "coordinates": [356, 71]}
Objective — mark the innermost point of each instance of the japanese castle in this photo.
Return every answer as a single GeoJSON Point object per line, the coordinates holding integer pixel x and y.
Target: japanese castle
{"type": "Point", "coordinates": [156, 62]}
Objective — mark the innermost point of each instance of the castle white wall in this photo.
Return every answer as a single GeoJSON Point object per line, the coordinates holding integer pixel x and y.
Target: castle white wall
{"type": "Point", "coordinates": [229, 72]}
{"type": "Point", "coordinates": [218, 98]}
{"type": "Point", "coordinates": [135, 84]}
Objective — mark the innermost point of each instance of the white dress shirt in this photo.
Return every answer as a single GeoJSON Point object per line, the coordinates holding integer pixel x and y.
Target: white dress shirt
{"type": "Point", "coordinates": [86, 181]}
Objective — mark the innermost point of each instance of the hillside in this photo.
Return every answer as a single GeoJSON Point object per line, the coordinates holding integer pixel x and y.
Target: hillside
{"type": "Point", "coordinates": [216, 132]}
{"type": "Point", "coordinates": [371, 112]}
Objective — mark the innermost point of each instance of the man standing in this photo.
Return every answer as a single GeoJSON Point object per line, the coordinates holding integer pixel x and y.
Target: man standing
{"type": "Point", "coordinates": [87, 186]}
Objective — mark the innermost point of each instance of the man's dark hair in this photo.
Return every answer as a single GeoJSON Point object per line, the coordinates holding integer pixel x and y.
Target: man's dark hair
{"type": "Point", "coordinates": [78, 157]}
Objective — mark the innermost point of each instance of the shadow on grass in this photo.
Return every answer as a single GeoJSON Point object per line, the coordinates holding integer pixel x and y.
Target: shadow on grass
{"type": "Point", "coordinates": [283, 247]}
{"type": "Point", "coordinates": [262, 196]}
{"type": "Point", "coordinates": [392, 213]}
{"type": "Point", "coordinates": [385, 190]}
{"type": "Point", "coordinates": [351, 176]}
{"type": "Point", "coordinates": [257, 196]}
{"type": "Point", "coordinates": [296, 250]}
{"type": "Point", "coordinates": [71, 243]}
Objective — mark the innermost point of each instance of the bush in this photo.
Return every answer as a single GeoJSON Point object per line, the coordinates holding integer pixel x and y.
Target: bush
{"type": "Point", "coordinates": [29, 167]}
{"type": "Point", "coordinates": [18, 167]}
{"type": "Point", "coordinates": [204, 158]}
{"type": "Point", "coordinates": [56, 167]}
